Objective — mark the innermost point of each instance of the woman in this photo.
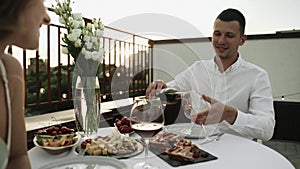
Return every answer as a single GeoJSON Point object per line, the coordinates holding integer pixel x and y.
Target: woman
{"type": "Point", "coordinates": [20, 21]}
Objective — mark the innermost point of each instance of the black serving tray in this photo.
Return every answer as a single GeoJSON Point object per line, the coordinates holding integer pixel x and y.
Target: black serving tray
{"type": "Point", "coordinates": [204, 156]}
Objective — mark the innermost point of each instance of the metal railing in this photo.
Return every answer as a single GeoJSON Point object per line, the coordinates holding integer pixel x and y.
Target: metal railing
{"type": "Point", "coordinates": [48, 74]}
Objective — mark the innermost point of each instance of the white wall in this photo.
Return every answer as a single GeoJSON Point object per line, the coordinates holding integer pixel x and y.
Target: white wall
{"type": "Point", "coordinates": [279, 57]}
{"type": "Point", "coordinates": [171, 59]}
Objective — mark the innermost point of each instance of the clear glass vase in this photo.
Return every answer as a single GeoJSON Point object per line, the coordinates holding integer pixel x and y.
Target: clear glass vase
{"type": "Point", "coordinates": [87, 101]}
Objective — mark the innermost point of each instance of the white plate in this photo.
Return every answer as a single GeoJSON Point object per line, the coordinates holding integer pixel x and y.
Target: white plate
{"type": "Point", "coordinates": [139, 150]}
{"type": "Point", "coordinates": [90, 162]}
{"type": "Point", "coordinates": [196, 130]}
{"type": "Point", "coordinates": [56, 150]}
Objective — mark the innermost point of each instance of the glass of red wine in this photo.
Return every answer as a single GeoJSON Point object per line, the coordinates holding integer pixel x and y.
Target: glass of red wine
{"type": "Point", "coordinates": [147, 119]}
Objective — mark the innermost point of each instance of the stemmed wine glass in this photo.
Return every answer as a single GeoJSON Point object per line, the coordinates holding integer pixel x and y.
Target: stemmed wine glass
{"type": "Point", "coordinates": [147, 119]}
{"type": "Point", "coordinates": [192, 104]}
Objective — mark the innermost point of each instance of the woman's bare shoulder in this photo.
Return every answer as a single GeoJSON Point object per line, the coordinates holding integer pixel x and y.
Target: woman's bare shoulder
{"type": "Point", "coordinates": [12, 65]}
{"type": "Point", "coordinates": [9, 59]}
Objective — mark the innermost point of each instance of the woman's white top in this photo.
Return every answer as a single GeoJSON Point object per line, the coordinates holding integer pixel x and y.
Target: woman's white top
{"type": "Point", "coordinates": [5, 148]}
{"type": "Point", "coordinates": [4, 154]}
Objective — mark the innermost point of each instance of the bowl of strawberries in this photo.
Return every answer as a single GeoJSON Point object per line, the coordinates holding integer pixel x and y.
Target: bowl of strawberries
{"type": "Point", "coordinates": [123, 125]}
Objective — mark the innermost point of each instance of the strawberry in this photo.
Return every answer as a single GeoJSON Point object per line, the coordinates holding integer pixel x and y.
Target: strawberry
{"type": "Point", "coordinates": [118, 123]}
{"type": "Point", "coordinates": [196, 155]}
{"type": "Point", "coordinates": [125, 121]}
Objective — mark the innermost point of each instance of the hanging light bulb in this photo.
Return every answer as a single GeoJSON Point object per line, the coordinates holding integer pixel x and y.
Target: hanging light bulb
{"type": "Point", "coordinates": [282, 98]}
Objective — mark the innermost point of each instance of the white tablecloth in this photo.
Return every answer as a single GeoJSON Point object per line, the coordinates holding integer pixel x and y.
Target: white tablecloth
{"type": "Point", "coordinates": [233, 152]}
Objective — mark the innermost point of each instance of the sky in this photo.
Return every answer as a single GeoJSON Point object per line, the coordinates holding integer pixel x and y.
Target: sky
{"type": "Point", "coordinates": [172, 19]}
{"type": "Point", "coordinates": [168, 19]}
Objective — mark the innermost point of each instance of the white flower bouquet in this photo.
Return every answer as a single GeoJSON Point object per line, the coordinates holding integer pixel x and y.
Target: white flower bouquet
{"type": "Point", "coordinates": [83, 43]}
{"type": "Point", "coordinates": [82, 40]}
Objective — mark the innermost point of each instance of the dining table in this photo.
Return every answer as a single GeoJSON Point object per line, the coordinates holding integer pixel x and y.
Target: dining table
{"type": "Point", "coordinates": [232, 152]}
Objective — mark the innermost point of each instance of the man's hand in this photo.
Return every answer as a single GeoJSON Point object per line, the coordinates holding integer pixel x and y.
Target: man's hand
{"type": "Point", "coordinates": [155, 87]}
{"type": "Point", "coordinates": [216, 113]}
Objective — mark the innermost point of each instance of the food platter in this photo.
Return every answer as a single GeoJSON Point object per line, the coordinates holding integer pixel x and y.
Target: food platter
{"type": "Point", "coordinates": [60, 149]}
{"type": "Point", "coordinates": [178, 151]}
{"type": "Point", "coordinates": [115, 145]}
{"type": "Point", "coordinates": [139, 150]}
{"type": "Point", "coordinates": [94, 162]}
{"type": "Point", "coordinates": [196, 131]}
{"type": "Point", "coordinates": [204, 157]}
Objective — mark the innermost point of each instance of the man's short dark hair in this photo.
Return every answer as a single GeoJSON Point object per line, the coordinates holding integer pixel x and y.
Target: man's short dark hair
{"type": "Point", "coordinates": [233, 15]}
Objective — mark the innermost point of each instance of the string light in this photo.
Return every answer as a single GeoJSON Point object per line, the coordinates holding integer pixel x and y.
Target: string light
{"type": "Point", "coordinates": [42, 90]}
{"type": "Point", "coordinates": [286, 95]}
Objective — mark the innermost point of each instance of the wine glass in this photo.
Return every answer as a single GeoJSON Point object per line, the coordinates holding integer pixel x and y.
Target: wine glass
{"type": "Point", "coordinates": [192, 104]}
{"type": "Point", "coordinates": [147, 119]}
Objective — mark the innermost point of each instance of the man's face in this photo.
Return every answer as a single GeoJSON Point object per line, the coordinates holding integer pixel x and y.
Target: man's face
{"type": "Point", "coordinates": [226, 38]}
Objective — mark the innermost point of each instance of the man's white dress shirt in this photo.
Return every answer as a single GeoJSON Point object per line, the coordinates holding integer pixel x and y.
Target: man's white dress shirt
{"type": "Point", "coordinates": [243, 86]}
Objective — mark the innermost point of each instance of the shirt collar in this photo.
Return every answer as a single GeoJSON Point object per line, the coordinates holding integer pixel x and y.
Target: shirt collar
{"type": "Point", "coordinates": [233, 67]}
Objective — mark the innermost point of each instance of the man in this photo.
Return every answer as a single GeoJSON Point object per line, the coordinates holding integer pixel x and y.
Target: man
{"type": "Point", "coordinates": [238, 91]}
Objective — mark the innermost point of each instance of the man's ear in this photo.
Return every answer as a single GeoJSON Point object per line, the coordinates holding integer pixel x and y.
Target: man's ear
{"type": "Point", "coordinates": [243, 39]}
